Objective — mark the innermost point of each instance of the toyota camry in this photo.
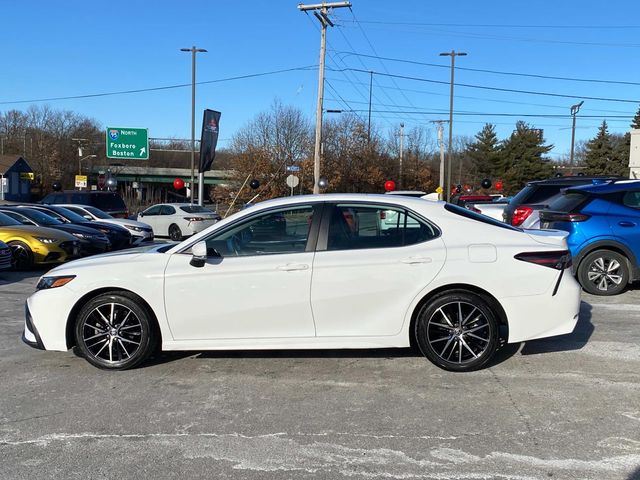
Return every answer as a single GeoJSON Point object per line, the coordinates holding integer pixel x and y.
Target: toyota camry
{"type": "Point", "coordinates": [335, 271]}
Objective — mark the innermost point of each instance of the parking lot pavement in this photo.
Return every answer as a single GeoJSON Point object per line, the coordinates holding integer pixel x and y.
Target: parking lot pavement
{"type": "Point", "coordinates": [566, 408]}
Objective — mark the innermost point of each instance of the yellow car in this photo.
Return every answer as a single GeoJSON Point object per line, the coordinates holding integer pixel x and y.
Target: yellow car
{"type": "Point", "coordinates": [36, 245]}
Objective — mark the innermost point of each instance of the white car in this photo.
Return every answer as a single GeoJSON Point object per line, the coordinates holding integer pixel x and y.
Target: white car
{"type": "Point", "coordinates": [140, 232]}
{"type": "Point", "coordinates": [178, 220]}
{"type": "Point", "coordinates": [316, 272]}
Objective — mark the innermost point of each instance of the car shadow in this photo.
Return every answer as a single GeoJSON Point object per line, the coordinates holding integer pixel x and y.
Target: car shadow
{"type": "Point", "coordinates": [8, 277]}
{"type": "Point", "coordinates": [170, 356]}
{"type": "Point", "coordinates": [561, 343]}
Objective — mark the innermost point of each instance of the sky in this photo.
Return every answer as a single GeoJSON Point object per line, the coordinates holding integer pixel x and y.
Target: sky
{"type": "Point", "coordinates": [75, 48]}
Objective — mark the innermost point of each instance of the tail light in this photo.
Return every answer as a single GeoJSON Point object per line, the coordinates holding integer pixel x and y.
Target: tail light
{"type": "Point", "coordinates": [194, 219]}
{"type": "Point", "coordinates": [563, 217]}
{"type": "Point", "coordinates": [558, 260]}
{"type": "Point", "coordinates": [520, 214]}
{"type": "Point", "coordinates": [473, 209]}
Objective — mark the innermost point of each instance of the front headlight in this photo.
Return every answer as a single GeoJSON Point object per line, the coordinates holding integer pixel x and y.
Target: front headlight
{"type": "Point", "coordinates": [84, 236]}
{"type": "Point", "coordinates": [46, 283]}
{"type": "Point", "coordinates": [133, 227]}
{"type": "Point", "coordinates": [46, 240]}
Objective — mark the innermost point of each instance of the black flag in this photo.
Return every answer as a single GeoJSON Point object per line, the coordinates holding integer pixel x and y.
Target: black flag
{"type": "Point", "coordinates": [209, 139]}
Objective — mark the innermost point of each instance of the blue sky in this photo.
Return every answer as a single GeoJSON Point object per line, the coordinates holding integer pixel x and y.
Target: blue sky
{"type": "Point", "coordinates": [69, 48]}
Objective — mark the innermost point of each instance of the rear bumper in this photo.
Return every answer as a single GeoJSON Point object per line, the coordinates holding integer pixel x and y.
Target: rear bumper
{"type": "Point", "coordinates": [546, 315]}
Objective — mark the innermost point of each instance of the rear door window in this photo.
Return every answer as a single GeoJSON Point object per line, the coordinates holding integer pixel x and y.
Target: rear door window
{"type": "Point", "coordinates": [631, 199]}
{"type": "Point", "coordinates": [167, 210]}
{"type": "Point", "coordinates": [569, 202]}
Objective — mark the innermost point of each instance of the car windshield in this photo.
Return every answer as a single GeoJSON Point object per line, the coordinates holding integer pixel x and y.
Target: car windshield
{"type": "Point", "coordinates": [7, 221]}
{"type": "Point", "coordinates": [96, 212]}
{"type": "Point", "coordinates": [39, 217]}
{"type": "Point", "coordinates": [195, 209]}
{"type": "Point", "coordinates": [73, 217]}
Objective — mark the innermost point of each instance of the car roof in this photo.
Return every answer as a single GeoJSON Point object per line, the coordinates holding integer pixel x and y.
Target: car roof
{"type": "Point", "coordinates": [604, 188]}
{"type": "Point", "coordinates": [580, 179]}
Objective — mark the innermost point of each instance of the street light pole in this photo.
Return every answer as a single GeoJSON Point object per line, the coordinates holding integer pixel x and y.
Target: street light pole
{"type": "Point", "coordinates": [193, 51]}
{"type": "Point", "coordinates": [453, 54]}
{"type": "Point", "coordinates": [401, 154]}
{"type": "Point", "coordinates": [574, 111]}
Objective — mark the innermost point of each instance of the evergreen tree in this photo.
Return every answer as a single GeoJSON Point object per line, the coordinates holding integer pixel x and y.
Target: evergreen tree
{"type": "Point", "coordinates": [522, 157]}
{"type": "Point", "coordinates": [484, 154]}
{"type": "Point", "coordinates": [605, 155]}
{"type": "Point", "coordinates": [635, 123]}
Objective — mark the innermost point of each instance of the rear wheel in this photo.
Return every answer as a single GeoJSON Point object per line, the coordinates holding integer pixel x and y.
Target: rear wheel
{"type": "Point", "coordinates": [457, 331]}
{"type": "Point", "coordinates": [604, 272]}
{"type": "Point", "coordinates": [175, 233]}
{"type": "Point", "coordinates": [114, 331]}
{"type": "Point", "coordinates": [22, 256]}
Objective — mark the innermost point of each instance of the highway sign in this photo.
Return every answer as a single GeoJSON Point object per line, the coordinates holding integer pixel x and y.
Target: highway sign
{"type": "Point", "coordinates": [130, 143]}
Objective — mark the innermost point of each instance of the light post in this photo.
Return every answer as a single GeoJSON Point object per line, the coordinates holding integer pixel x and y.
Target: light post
{"type": "Point", "coordinates": [80, 160]}
{"type": "Point", "coordinates": [453, 54]}
{"type": "Point", "coordinates": [193, 51]}
{"type": "Point", "coordinates": [574, 111]}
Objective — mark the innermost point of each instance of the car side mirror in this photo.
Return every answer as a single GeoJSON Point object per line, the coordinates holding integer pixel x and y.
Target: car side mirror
{"type": "Point", "coordinates": [199, 254]}
{"type": "Point", "coordinates": [88, 217]}
{"type": "Point", "coordinates": [141, 214]}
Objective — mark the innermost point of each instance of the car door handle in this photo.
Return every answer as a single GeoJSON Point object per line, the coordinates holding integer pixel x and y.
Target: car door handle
{"type": "Point", "coordinates": [414, 260]}
{"type": "Point", "coordinates": [627, 224]}
{"type": "Point", "coordinates": [289, 267]}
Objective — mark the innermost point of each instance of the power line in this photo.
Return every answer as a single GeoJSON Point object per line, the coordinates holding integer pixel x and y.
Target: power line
{"type": "Point", "coordinates": [498, 89]}
{"type": "Point", "coordinates": [488, 114]}
{"type": "Point", "coordinates": [154, 89]}
{"type": "Point", "coordinates": [495, 72]}
{"type": "Point", "coordinates": [498, 25]}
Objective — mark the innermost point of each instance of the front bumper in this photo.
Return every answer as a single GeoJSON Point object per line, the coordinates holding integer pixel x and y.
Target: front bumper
{"type": "Point", "coordinates": [30, 335]}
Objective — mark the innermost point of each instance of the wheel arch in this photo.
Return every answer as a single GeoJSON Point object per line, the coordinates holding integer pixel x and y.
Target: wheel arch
{"type": "Point", "coordinates": [634, 269]}
{"type": "Point", "coordinates": [493, 301]}
{"type": "Point", "coordinates": [71, 319]}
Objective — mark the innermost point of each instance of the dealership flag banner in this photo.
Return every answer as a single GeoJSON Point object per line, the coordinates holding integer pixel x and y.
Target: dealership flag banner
{"type": "Point", "coordinates": [209, 139]}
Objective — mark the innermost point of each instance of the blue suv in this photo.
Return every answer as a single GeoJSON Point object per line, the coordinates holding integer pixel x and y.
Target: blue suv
{"type": "Point", "coordinates": [603, 222]}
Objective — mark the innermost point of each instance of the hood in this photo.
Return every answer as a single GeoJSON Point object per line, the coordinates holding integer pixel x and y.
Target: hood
{"type": "Point", "coordinates": [133, 223]}
{"type": "Point", "coordinates": [106, 225]}
{"type": "Point", "coordinates": [33, 231]}
{"type": "Point", "coordinates": [556, 238]}
{"type": "Point", "coordinates": [74, 228]}
{"type": "Point", "coordinates": [118, 257]}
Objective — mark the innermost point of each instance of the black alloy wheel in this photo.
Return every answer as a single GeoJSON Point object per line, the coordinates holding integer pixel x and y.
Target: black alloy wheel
{"type": "Point", "coordinates": [604, 272]}
{"type": "Point", "coordinates": [114, 331]}
{"type": "Point", "coordinates": [457, 331]}
{"type": "Point", "coordinates": [21, 255]}
{"type": "Point", "coordinates": [175, 233]}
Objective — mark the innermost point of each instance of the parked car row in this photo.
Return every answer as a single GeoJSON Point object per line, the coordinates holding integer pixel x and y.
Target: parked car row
{"type": "Point", "coordinates": [602, 218]}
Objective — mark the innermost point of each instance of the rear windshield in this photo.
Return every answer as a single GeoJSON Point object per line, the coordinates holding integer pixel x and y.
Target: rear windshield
{"type": "Point", "coordinates": [569, 202]}
{"type": "Point", "coordinates": [533, 194]}
{"type": "Point", "coordinates": [107, 202]}
{"type": "Point", "coordinates": [196, 209]}
{"type": "Point", "coordinates": [478, 217]}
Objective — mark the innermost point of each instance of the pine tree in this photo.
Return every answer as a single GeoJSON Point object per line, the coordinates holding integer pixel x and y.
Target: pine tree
{"type": "Point", "coordinates": [635, 123]}
{"type": "Point", "coordinates": [603, 154]}
{"type": "Point", "coordinates": [523, 157]}
{"type": "Point", "coordinates": [484, 154]}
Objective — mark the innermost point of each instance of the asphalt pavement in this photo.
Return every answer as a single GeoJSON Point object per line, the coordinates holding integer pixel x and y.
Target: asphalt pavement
{"type": "Point", "coordinates": [563, 408]}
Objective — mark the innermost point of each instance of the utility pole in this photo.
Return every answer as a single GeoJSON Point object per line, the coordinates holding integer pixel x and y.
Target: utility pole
{"type": "Point", "coordinates": [320, 11]}
{"type": "Point", "coordinates": [441, 145]}
{"type": "Point", "coordinates": [574, 111]}
{"type": "Point", "coordinates": [193, 51]}
{"type": "Point", "coordinates": [453, 54]}
{"type": "Point", "coordinates": [401, 153]}
{"type": "Point", "coordinates": [370, 93]}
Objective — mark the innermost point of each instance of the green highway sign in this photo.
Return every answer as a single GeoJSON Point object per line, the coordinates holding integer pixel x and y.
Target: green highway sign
{"type": "Point", "coordinates": [130, 143]}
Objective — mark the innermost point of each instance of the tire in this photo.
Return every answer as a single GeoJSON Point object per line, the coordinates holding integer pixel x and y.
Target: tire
{"type": "Point", "coordinates": [175, 233]}
{"type": "Point", "coordinates": [21, 255]}
{"type": "Point", "coordinates": [115, 331]}
{"type": "Point", "coordinates": [604, 272]}
{"type": "Point", "coordinates": [457, 331]}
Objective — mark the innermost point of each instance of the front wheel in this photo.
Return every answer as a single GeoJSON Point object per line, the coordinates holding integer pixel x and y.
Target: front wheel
{"type": "Point", "coordinates": [457, 331]}
{"type": "Point", "coordinates": [604, 272]}
{"type": "Point", "coordinates": [21, 255]}
{"type": "Point", "coordinates": [175, 233]}
{"type": "Point", "coordinates": [114, 331]}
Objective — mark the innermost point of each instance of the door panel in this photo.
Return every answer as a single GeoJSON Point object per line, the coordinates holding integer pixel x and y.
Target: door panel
{"type": "Point", "coordinates": [367, 277]}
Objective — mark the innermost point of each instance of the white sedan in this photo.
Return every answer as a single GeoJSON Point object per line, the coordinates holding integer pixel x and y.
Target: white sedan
{"type": "Point", "coordinates": [316, 272]}
{"type": "Point", "coordinates": [178, 220]}
{"type": "Point", "coordinates": [140, 232]}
